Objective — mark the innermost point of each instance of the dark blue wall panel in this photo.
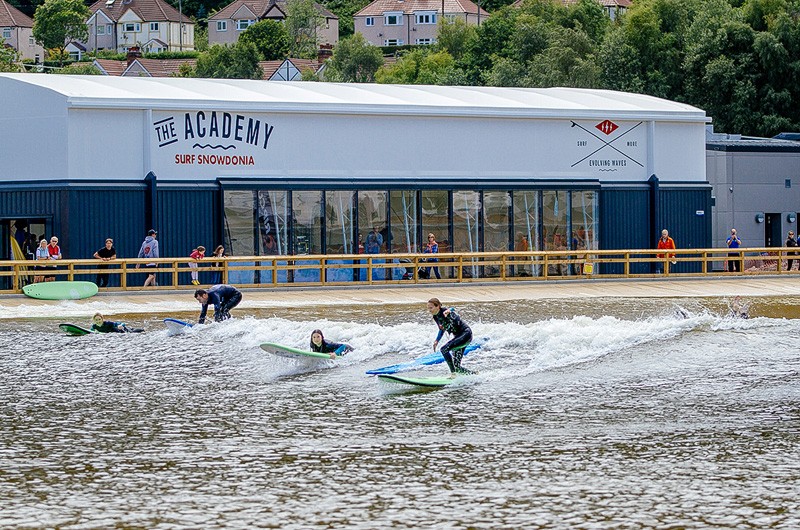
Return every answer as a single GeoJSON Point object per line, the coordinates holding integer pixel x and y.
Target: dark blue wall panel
{"type": "Point", "coordinates": [624, 221]}
{"type": "Point", "coordinates": [686, 213]}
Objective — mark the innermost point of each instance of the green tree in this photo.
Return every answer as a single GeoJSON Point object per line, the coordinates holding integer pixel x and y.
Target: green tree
{"type": "Point", "coordinates": [9, 60]}
{"type": "Point", "coordinates": [239, 61]}
{"type": "Point", "coordinates": [58, 22]}
{"type": "Point", "coordinates": [454, 37]}
{"type": "Point", "coordinates": [354, 61]}
{"type": "Point", "coordinates": [422, 66]}
{"type": "Point", "coordinates": [269, 37]}
{"type": "Point", "coordinates": [345, 9]}
{"type": "Point", "coordinates": [82, 68]}
{"type": "Point", "coordinates": [302, 22]}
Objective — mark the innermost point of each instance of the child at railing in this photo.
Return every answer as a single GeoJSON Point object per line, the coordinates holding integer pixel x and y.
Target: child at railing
{"type": "Point", "coordinates": [197, 254]}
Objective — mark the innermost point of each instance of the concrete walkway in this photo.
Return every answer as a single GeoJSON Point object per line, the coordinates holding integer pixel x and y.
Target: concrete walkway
{"type": "Point", "coordinates": [478, 292]}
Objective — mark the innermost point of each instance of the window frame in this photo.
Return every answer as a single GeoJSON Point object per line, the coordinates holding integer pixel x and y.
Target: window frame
{"type": "Point", "coordinates": [398, 14]}
{"type": "Point", "coordinates": [222, 26]}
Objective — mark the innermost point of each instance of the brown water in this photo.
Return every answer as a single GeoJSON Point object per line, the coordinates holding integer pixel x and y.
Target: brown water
{"type": "Point", "coordinates": [601, 414]}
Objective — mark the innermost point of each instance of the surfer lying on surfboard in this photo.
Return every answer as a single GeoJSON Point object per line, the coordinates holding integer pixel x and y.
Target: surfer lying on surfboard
{"type": "Point", "coordinates": [320, 345]}
{"type": "Point", "coordinates": [107, 326]}
{"type": "Point", "coordinates": [449, 321]}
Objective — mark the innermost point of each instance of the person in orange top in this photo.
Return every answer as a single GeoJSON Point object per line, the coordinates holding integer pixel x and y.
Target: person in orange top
{"type": "Point", "coordinates": [665, 243]}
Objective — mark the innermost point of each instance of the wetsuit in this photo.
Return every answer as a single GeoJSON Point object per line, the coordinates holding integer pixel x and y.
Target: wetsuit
{"type": "Point", "coordinates": [453, 351]}
{"type": "Point", "coordinates": [223, 298]}
{"type": "Point", "coordinates": [331, 347]}
{"type": "Point", "coordinates": [113, 327]}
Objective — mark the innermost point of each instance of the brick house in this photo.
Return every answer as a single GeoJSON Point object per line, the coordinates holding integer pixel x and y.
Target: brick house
{"type": "Point", "coordinates": [225, 26]}
{"type": "Point", "coordinates": [16, 30]}
{"type": "Point", "coordinates": [152, 25]}
{"type": "Point", "coordinates": [399, 22]}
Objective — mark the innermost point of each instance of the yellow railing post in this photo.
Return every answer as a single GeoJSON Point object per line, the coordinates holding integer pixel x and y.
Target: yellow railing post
{"type": "Point", "coordinates": [460, 268]}
{"type": "Point", "coordinates": [627, 266]}
{"type": "Point", "coordinates": [274, 272]}
{"type": "Point", "coordinates": [174, 274]}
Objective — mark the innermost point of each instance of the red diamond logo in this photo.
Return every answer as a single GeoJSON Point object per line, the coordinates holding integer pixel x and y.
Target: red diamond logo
{"type": "Point", "coordinates": [607, 127]}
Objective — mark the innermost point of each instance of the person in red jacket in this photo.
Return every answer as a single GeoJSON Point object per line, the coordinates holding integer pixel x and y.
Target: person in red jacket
{"type": "Point", "coordinates": [665, 243]}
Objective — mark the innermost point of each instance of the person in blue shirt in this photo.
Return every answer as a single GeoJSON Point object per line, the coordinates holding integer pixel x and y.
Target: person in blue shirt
{"type": "Point", "coordinates": [449, 321]}
{"type": "Point", "coordinates": [734, 263]}
{"type": "Point", "coordinates": [320, 345]}
{"type": "Point", "coordinates": [223, 297]}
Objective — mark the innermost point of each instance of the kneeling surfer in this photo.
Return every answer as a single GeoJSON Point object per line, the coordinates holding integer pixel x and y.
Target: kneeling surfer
{"type": "Point", "coordinates": [107, 326]}
{"type": "Point", "coordinates": [320, 345]}
{"type": "Point", "coordinates": [449, 321]}
{"type": "Point", "coordinates": [223, 297]}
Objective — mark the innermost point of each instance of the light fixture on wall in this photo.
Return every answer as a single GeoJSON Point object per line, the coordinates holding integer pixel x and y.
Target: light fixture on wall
{"type": "Point", "coordinates": [792, 217]}
{"type": "Point", "coordinates": [759, 217]}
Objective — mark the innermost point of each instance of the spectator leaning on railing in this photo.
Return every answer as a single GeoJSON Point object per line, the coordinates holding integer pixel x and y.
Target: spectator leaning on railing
{"type": "Point", "coordinates": [665, 243]}
{"type": "Point", "coordinates": [791, 242]}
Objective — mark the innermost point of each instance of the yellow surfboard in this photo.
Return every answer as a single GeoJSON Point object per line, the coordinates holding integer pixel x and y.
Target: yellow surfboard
{"type": "Point", "coordinates": [17, 254]}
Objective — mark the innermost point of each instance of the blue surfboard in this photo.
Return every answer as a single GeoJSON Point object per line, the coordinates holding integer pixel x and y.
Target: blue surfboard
{"type": "Point", "coordinates": [425, 360]}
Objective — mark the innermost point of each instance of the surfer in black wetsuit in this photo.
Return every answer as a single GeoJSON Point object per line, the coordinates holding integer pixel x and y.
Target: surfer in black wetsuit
{"type": "Point", "coordinates": [320, 345]}
{"type": "Point", "coordinates": [107, 326]}
{"type": "Point", "coordinates": [223, 297]}
{"type": "Point", "coordinates": [449, 321]}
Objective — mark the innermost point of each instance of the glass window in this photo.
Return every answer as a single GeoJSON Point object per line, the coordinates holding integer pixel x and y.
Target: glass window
{"type": "Point", "coordinates": [584, 220]}
{"type": "Point", "coordinates": [393, 42]}
{"type": "Point", "coordinates": [495, 220]}
{"type": "Point", "coordinates": [554, 226]}
{"type": "Point", "coordinates": [466, 208]}
{"type": "Point", "coordinates": [101, 30]}
{"type": "Point", "coordinates": [339, 217]}
{"type": "Point", "coordinates": [404, 221]}
{"type": "Point", "coordinates": [6, 33]}
{"type": "Point", "coordinates": [526, 228]}
{"type": "Point", "coordinates": [222, 25]}
{"type": "Point", "coordinates": [435, 210]}
{"type": "Point", "coordinates": [244, 24]}
{"type": "Point", "coordinates": [393, 19]}
{"type": "Point", "coordinates": [425, 41]}
{"type": "Point", "coordinates": [372, 220]}
{"type": "Point", "coordinates": [273, 223]}
{"type": "Point", "coordinates": [131, 27]}
{"type": "Point", "coordinates": [239, 223]}
{"type": "Point", "coordinates": [307, 219]}
{"type": "Point", "coordinates": [110, 29]}
{"type": "Point", "coordinates": [154, 26]}
{"type": "Point", "coordinates": [369, 21]}
{"type": "Point", "coordinates": [426, 18]}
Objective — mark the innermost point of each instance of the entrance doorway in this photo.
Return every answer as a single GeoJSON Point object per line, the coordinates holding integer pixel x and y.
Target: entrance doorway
{"type": "Point", "coordinates": [772, 230]}
{"type": "Point", "coordinates": [20, 237]}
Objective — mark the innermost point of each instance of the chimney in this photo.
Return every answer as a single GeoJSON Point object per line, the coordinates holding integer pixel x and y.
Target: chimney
{"type": "Point", "coordinates": [133, 54]}
{"type": "Point", "coordinates": [324, 53]}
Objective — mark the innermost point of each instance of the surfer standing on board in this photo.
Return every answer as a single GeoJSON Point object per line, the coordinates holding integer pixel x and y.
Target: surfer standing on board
{"type": "Point", "coordinates": [449, 321]}
{"type": "Point", "coordinates": [223, 297]}
{"type": "Point", "coordinates": [320, 345]}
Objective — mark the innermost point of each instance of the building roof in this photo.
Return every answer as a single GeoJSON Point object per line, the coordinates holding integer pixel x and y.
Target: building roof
{"type": "Point", "coordinates": [12, 17]}
{"type": "Point", "coordinates": [379, 7]}
{"type": "Point", "coordinates": [160, 67]}
{"type": "Point", "coordinates": [110, 66]}
{"type": "Point", "coordinates": [270, 67]}
{"type": "Point", "coordinates": [146, 10]}
{"type": "Point", "coordinates": [349, 98]}
{"type": "Point", "coordinates": [260, 9]}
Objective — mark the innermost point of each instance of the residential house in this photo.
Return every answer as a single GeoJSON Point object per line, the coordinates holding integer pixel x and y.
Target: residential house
{"type": "Point", "coordinates": [399, 22]}
{"type": "Point", "coordinates": [614, 8]}
{"type": "Point", "coordinates": [16, 30]}
{"type": "Point", "coordinates": [135, 66]}
{"type": "Point", "coordinates": [225, 26]}
{"type": "Point", "coordinates": [290, 69]}
{"type": "Point", "coordinates": [152, 25]}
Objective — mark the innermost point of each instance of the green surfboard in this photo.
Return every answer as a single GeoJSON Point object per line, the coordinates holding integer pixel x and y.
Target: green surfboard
{"type": "Point", "coordinates": [291, 353]}
{"type": "Point", "coordinates": [430, 382]}
{"type": "Point", "coordinates": [60, 290]}
{"type": "Point", "coordinates": [75, 331]}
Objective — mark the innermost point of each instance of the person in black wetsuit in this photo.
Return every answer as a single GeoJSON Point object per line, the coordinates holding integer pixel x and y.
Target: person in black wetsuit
{"type": "Point", "coordinates": [107, 326]}
{"type": "Point", "coordinates": [319, 344]}
{"type": "Point", "coordinates": [449, 321]}
{"type": "Point", "coordinates": [223, 297]}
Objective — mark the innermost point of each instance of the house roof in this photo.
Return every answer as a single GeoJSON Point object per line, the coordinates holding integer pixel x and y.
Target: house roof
{"type": "Point", "coordinates": [270, 67]}
{"type": "Point", "coordinates": [110, 66]}
{"type": "Point", "coordinates": [379, 7]}
{"type": "Point", "coordinates": [160, 67]}
{"type": "Point", "coordinates": [12, 17]}
{"type": "Point", "coordinates": [146, 10]}
{"type": "Point", "coordinates": [350, 98]}
{"type": "Point", "coordinates": [261, 7]}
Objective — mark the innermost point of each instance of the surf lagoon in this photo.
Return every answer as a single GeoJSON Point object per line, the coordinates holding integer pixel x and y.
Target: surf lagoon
{"type": "Point", "coordinates": [602, 413]}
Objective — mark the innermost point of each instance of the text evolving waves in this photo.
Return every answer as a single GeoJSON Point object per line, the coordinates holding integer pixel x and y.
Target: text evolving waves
{"type": "Point", "coordinates": [228, 127]}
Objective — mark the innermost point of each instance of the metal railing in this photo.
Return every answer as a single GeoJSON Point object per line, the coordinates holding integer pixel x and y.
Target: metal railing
{"type": "Point", "coordinates": [383, 269]}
